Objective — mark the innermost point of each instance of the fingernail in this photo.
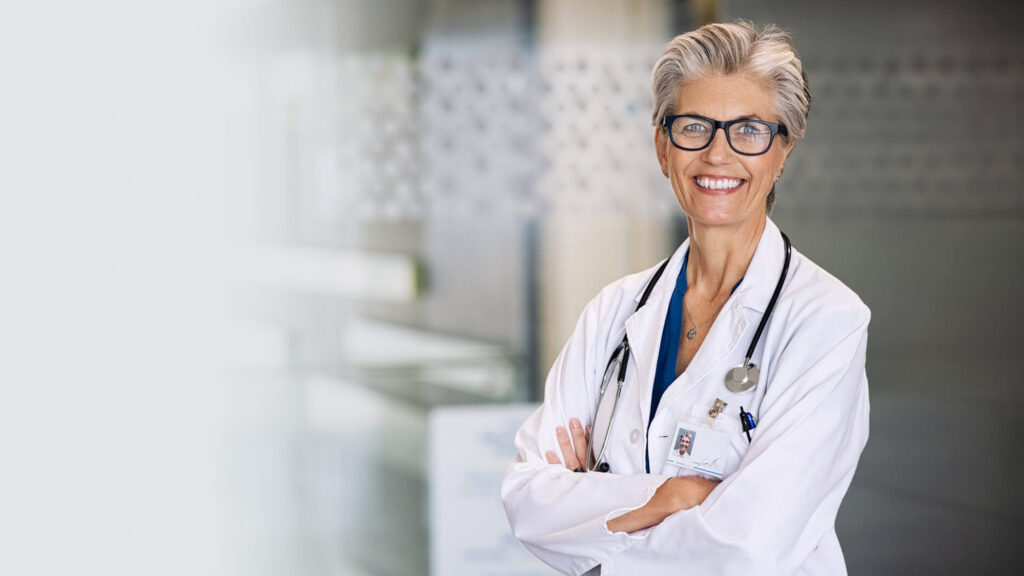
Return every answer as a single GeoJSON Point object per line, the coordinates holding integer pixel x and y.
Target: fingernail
{"type": "Point", "coordinates": [561, 431]}
{"type": "Point", "coordinates": [574, 422]}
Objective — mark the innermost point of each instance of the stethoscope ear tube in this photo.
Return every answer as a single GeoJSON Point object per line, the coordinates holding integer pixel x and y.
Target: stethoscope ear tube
{"type": "Point", "coordinates": [625, 361]}
{"type": "Point", "coordinates": [606, 408]}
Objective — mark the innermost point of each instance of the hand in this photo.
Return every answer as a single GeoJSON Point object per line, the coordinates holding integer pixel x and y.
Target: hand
{"type": "Point", "coordinates": [675, 494]}
{"type": "Point", "coordinates": [574, 451]}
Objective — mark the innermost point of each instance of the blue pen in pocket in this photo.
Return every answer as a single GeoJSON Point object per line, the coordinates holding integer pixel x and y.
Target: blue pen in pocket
{"type": "Point", "coordinates": [747, 420]}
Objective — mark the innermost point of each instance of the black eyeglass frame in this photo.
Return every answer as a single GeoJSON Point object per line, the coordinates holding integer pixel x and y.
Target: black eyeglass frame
{"type": "Point", "coordinates": [724, 125]}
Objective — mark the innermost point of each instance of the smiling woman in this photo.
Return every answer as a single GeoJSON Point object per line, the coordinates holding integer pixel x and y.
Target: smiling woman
{"type": "Point", "coordinates": [731, 101]}
{"type": "Point", "coordinates": [722, 178]}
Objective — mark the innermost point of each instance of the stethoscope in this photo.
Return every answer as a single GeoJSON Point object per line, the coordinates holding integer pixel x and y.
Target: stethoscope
{"type": "Point", "coordinates": [739, 379]}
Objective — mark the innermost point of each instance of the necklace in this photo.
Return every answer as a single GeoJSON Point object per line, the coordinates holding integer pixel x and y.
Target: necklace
{"type": "Point", "coordinates": [692, 333]}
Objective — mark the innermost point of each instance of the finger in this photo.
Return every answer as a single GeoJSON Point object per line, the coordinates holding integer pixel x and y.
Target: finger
{"type": "Point", "coordinates": [568, 456]}
{"type": "Point", "coordinates": [579, 439]}
{"type": "Point", "coordinates": [552, 457]}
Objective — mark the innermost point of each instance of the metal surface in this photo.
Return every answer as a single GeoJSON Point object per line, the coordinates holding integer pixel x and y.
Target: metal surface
{"type": "Point", "coordinates": [742, 378]}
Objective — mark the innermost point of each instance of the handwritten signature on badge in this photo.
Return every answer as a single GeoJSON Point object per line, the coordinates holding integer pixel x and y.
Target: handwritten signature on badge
{"type": "Point", "coordinates": [711, 463]}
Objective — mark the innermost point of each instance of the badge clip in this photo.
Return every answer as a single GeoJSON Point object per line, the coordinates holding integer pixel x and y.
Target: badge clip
{"type": "Point", "coordinates": [717, 408]}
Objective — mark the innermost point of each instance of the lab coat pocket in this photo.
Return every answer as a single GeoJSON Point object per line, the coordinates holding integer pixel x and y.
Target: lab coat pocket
{"type": "Point", "coordinates": [731, 426]}
{"type": "Point", "coordinates": [702, 443]}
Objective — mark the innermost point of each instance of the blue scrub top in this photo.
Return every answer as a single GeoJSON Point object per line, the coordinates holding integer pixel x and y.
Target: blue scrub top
{"type": "Point", "coordinates": [668, 354]}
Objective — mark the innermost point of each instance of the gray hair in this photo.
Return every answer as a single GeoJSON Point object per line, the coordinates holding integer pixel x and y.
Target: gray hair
{"type": "Point", "coordinates": [766, 55]}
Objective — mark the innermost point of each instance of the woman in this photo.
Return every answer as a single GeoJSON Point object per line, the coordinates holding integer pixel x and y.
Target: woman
{"type": "Point", "coordinates": [684, 443]}
{"type": "Point", "coordinates": [731, 100]}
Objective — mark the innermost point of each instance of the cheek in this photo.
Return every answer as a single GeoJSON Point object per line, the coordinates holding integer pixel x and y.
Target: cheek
{"type": "Point", "coordinates": [677, 167]}
{"type": "Point", "coordinates": [761, 169]}
{"type": "Point", "coordinates": [762, 176]}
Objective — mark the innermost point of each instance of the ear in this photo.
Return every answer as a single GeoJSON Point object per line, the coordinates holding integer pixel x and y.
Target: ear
{"type": "Point", "coordinates": [661, 147]}
{"type": "Point", "coordinates": [786, 150]}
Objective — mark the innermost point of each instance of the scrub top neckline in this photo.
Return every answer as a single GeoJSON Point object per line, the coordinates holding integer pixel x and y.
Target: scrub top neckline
{"type": "Point", "coordinates": [668, 353]}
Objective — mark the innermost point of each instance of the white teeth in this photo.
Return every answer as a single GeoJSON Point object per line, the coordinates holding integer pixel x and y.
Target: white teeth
{"type": "Point", "coordinates": [723, 184]}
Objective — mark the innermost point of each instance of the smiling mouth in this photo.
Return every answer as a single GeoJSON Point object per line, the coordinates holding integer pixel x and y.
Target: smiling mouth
{"type": "Point", "coordinates": [718, 185]}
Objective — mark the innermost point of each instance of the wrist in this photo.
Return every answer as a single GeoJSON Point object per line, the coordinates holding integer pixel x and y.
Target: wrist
{"type": "Point", "coordinates": [634, 520]}
{"type": "Point", "coordinates": [657, 510]}
{"type": "Point", "coordinates": [655, 513]}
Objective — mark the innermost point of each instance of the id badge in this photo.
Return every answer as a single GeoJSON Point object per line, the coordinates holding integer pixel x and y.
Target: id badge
{"type": "Point", "coordinates": [697, 445]}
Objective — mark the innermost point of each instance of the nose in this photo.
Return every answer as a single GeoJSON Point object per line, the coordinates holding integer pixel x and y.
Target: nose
{"type": "Point", "coordinates": [717, 151]}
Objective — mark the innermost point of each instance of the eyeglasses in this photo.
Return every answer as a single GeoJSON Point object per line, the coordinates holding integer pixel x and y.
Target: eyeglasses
{"type": "Point", "coordinates": [745, 136]}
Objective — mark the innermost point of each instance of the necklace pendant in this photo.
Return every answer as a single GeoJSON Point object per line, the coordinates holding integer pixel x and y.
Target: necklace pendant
{"type": "Point", "coordinates": [692, 333]}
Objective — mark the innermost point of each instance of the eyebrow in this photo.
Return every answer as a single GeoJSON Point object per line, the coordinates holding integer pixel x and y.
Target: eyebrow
{"type": "Point", "coordinates": [745, 116]}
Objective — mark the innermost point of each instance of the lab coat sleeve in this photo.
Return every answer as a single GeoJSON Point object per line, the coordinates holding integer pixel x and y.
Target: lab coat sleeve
{"type": "Point", "coordinates": [769, 515]}
{"type": "Point", "coordinates": [560, 515]}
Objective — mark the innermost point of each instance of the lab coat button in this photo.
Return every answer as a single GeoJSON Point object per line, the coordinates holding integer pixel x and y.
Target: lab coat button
{"type": "Point", "coordinates": [635, 436]}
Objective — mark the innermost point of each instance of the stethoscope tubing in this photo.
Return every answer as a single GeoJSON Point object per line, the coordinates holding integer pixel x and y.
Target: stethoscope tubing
{"type": "Point", "coordinates": [623, 349]}
{"type": "Point", "coordinates": [771, 303]}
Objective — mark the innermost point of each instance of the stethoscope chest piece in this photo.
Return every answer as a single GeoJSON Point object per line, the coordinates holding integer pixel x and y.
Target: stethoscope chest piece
{"type": "Point", "coordinates": [742, 378]}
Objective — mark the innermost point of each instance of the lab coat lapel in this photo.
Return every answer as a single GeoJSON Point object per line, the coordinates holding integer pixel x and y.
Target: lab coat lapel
{"type": "Point", "coordinates": [644, 330]}
{"type": "Point", "coordinates": [728, 330]}
{"type": "Point", "coordinates": [720, 342]}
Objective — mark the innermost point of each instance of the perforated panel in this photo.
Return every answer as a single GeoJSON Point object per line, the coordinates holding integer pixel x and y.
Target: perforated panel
{"type": "Point", "coordinates": [918, 134]}
{"type": "Point", "coordinates": [460, 134]}
{"type": "Point", "coordinates": [598, 149]}
{"type": "Point", "coordinates": [377, 133]}
{"type": "Point", "coordinates": [479, 125]}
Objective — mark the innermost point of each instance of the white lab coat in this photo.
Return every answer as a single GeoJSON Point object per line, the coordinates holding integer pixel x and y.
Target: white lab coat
{"type": "Point", "coordinates": [775, 510]}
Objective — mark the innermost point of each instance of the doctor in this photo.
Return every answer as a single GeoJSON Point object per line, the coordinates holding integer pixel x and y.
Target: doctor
{"type": "Point", "coordinates": [731, 100]}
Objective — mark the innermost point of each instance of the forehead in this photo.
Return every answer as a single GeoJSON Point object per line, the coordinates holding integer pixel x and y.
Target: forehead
{"type": "Point", "coordinates": [726, 98]}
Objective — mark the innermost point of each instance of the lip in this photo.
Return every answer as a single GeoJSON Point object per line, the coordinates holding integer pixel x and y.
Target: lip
{"type": "Point", "coordinates": [722, 192]}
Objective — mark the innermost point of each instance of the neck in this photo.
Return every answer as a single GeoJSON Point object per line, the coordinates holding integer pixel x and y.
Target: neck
{"type": "Point", "coordinates": [719, 256]}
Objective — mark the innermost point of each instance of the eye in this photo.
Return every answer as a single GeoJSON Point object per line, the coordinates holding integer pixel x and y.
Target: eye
{"type": "Point", "coordinates": [751, 129]}
{"type": "Point", "coordinates": [695, 128]}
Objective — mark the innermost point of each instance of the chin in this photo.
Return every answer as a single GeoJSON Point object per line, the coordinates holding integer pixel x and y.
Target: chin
{"type": "Point", "coordinates": [713, 216]}
{"type": "Point", "coordinates": [719, 213]}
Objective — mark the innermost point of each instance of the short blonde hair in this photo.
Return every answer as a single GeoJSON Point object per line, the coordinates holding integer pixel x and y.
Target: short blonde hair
{"type": "Point", "coordinates": [766, 55]}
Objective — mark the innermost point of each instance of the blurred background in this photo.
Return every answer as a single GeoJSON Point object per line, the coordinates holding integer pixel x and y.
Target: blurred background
{"type": "Point", "coordinates": [281, 279]}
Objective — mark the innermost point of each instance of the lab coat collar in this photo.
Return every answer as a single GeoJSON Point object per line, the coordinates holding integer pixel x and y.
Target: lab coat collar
{"type": "Point", "coordinates": [755, 291]}
{"type": "Point", "coordinates": [763, 271]}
